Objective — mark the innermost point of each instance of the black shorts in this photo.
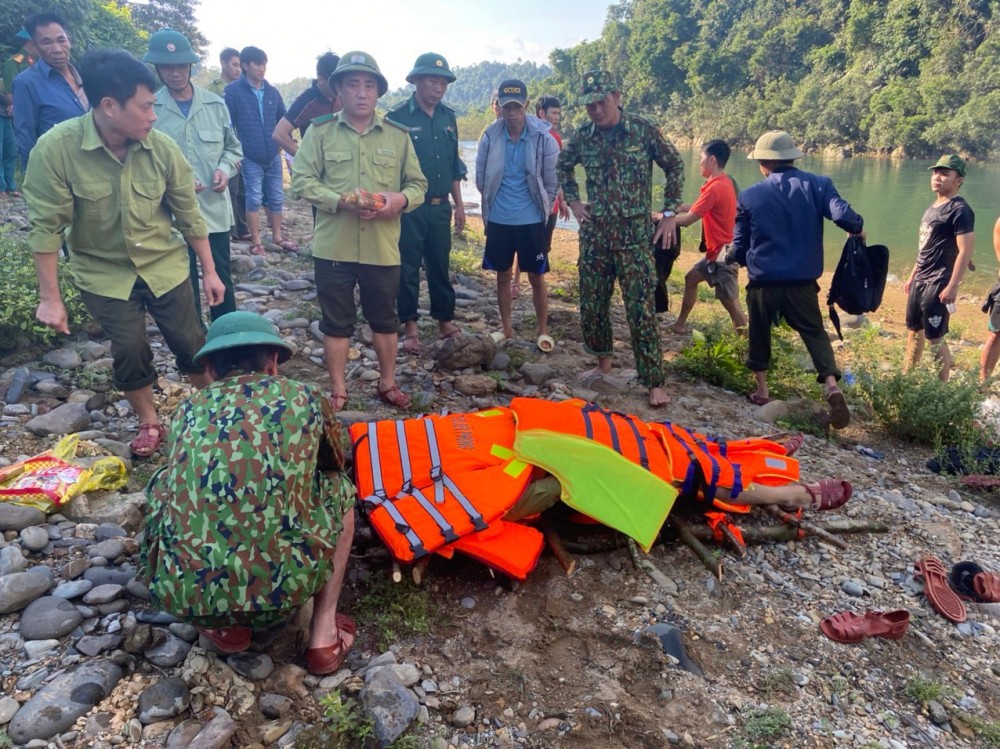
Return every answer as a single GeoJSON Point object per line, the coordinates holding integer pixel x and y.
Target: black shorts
{"type": "Point", "coordinates": [992, 307]}
{"type": "Point", "coordinates": [925, 311]}
{"type": "Point", "coordinates": [550, 229]}
{"type": "Point", "coordinates": [503, 241]}
{"type": "Point", "coordinates": [335, 282]}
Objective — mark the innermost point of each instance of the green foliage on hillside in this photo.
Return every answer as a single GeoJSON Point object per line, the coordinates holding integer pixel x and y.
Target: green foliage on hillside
{"type": "Point", "coordinates": [912, 77]}
{"type": "Point", "coordinates": [90, 23]}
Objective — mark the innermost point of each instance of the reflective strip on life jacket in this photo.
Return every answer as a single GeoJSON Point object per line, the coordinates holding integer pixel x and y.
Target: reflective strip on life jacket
{"type": "Point", "coordinates": [380, 499]}
{"type": "Point", "coordinates": [447, 532]}
{"type": "Point", "coordinates": [704, 456]}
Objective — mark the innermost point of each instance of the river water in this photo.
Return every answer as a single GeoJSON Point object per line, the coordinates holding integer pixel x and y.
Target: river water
{"type": "Point", "coordinates": [891, 195]}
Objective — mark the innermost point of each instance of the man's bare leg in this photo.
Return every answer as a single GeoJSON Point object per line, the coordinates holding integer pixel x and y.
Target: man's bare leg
{"type": "Point", "coordinates": [336, 362]}
{"type": "Point", "coordinates": [275, 220]}
{"type": "Point", "coordinates": [603, 367]}
{"type": "Point", "coordinates": [793, 495]}
{"type": "Point", "coordinates": [761, 392]}
{"type": "Point", "coordinates": [990, 356]}
{"type": "Point", "coordinates": [323, 631]}
{"type": "Point", "coordinates": [942, 355]}
{"type": "Point", "coordinates": [736, 314]}
{"type": "Point", "coordinates": [691, 281]}
{"type": "Point", "coordinates": [914, 349]}
{"type": "Point", "coordinates": [540, 300]}
{"type": "Point", "coordinates": [253, 226]}
{"type": "Point", "coordinates": [143, 404]}
{"type": "Point", "coordinates": [385, 349]}
{"type": "Point", "coordinates": [504, 302]}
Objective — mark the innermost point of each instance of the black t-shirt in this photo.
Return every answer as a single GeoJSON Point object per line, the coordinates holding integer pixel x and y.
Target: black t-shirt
{"type": "Point", "coordinates": [938, 248]}
{"type": "Point", "coordinates": [309, 105]}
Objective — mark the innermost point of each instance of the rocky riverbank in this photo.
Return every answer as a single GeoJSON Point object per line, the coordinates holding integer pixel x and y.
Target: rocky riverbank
{"type": "Point", "coordinates": [560, 661]}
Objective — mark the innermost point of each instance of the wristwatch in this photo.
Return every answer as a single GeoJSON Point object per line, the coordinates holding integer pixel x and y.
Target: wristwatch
{"type": "Point", "coordinates": [668, 214]}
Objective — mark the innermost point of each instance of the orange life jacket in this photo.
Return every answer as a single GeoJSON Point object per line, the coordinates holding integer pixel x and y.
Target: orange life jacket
{"type": "Point", "coordinates": [709, 463]}
{"type": "Point", "coordinates": [428, 482]}
{"type": "Point", "coordinates": [627, 435]}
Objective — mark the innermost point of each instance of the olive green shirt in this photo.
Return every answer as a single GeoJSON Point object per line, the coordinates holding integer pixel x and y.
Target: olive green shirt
{"type": "Point", "coordinates": [217, 86]}
{"type": "Point", "coordinates": [435, 140]}
{"type": "Point", "coordinates": [207, 140]}
{"type": "Point", "coordinates": [333, 159]}
{"type": "Point", "coordinates": [14, 65]}
{"type": "Point", "coordinates": [114, 216]}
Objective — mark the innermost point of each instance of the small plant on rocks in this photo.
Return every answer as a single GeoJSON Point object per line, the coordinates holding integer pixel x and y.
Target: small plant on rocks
{"type": "Point", "coordinates": [767, 724]}
{"type": "Point", "coordinates": [19, 296]}
{"type": "Point", "coordinates": [396, 610]}
{"type": "Point", "coordinates": [922, 690]}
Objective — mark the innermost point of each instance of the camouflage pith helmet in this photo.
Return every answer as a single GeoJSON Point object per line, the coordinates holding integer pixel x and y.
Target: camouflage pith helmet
{"type": "Point", "coordinates": [595, 85]}
{"type": "Point", "coordinates": [431, 63]}
{"type": "Point", "coordinates": [169, 47]}
{"type": "Point", "coordinates": [242, 329]}
{"type": "Point", "coordinates": [360, 62]}
{"type": "Point", "coordinates": [775, 145]}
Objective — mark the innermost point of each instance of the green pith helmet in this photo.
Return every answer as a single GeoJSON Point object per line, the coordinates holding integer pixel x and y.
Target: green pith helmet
{"type": "Point", "coordinates": [775, 145]}
{"type": "Point", "coordinates": [168, 47]}
{"type": "Point", "coordinates": [431, 63]}
{"type": "Point", "coordinates": [595, 85]}
{"type": "Point", "coordinates": [242, 329]}
{"type": "Point", "coordinates": [360, 62]}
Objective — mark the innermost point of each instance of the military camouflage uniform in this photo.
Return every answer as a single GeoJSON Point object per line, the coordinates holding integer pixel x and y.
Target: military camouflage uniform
{"type": "Point", "coordinates": [244, 518]}
{"type": "Point", "coordinates": [616, 242]}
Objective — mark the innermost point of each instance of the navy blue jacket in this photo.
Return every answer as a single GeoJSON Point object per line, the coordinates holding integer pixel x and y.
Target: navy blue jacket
{"type": "Point", "coordinates": [779, 226]}
{"type": "Point", "coordinates": [253, 132]}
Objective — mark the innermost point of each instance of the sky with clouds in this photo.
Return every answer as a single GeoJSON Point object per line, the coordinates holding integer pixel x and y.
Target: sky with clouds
{"type": "Point", "coordinates": [294, 33]}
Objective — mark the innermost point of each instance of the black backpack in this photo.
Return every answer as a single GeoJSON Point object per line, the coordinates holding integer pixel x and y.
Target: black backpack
{"type": "Point", "coordinates": [859, 281]}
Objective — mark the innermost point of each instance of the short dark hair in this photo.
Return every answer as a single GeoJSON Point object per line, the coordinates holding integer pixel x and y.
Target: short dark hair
{"type": "Point", "coordinates": [245, 359]}
{"type": "Point", "coordinates": [326, 63]}
{"type": "Point", "coordinates": [772, 164]}
{"type": "Point", "coordinates": [546, 103]}
{"type": "Point", "coordinates": [114, 73]}
{"type": "Point", "coordinates": [252, 54]}
{"type": "Point", "coordinates": [719, 149]}
{"type": "Point", "coordinates": [228, 54]}
{"type": "Point", "coordinates": [32, 23]}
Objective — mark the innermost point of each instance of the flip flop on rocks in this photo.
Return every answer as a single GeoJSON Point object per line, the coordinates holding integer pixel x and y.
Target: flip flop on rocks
{"type": "Point", "coordinates": [840, 415]}
{"type": "Point", "coordinates": [941, 598]}
{"type": "Point", "coordinates": [545, 343]}
{"type": "Point", "coordinates": [148, 440]}
{"type": "Point", "coordinates": [826, 494]}
{"type": "Point", "coordinates": [971, 580]}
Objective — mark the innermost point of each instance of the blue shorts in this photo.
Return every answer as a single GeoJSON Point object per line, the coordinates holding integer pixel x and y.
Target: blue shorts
{"type": "Point", "coordinates": [259, 180]}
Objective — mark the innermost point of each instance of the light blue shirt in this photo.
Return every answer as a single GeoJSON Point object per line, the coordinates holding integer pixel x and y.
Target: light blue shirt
{"type": "Point", "coordinates": [259, 93]}
{"type": "Point", "coordinates": [513, 204]}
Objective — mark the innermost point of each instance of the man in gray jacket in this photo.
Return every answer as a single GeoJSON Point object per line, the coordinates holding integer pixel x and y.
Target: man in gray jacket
{"type": "Point", "coordinates": [516, 175]}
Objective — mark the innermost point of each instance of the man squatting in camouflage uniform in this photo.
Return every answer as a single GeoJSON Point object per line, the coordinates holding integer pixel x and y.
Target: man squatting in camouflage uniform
{"type": "Point", "coordinates": [253, 513]}
{"type": "Point", "coordinates": [617, 150]}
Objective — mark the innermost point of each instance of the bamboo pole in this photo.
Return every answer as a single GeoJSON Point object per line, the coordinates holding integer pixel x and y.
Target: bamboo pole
{"type": "Point", "coordinates": [808, 527]}
{"type": "Point", "coordinates": [712, 563]}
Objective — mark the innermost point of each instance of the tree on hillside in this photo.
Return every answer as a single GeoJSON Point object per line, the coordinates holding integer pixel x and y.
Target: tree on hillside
{"type": "Point", "coordinates": [179, 15]}
{"type": "Point", "coordinates": [90, 23]}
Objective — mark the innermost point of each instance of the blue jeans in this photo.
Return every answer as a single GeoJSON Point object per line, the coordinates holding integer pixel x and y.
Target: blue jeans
{"type": "Point", "coordinates": [8, 155]}
{"type": "Point", "coordinates": [259, 180]}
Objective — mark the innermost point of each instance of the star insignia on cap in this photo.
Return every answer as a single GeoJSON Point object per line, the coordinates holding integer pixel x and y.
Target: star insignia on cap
{"type": "Point", "coordinates": [171, 47]}
{"type": "Point", "coordinates": [439, 63]}
{"type": "Point", "coordinates": [358, 59]}
{"type": "Point", "coordinates": [590, 80]}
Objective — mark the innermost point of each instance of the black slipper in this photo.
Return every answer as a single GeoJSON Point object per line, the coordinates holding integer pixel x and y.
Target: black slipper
{"type": "Point", "coordinates": [961, 578]}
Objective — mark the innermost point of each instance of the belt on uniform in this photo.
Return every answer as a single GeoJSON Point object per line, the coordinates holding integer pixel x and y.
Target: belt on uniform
{"type": "Point", "coordinates": [435, 199]}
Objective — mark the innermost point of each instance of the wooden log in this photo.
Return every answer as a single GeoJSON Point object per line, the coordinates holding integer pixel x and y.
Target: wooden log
{"type": "Point", "coordinates": [419, 569]}
{"type": "Point", "coordinates": [645, 565]}
{"type": "Point", "coordinates": [712, 563]}
{"type": "Point", "coordinates": [808, 527]}
{"type": "Point", "coordinates": [769, 533]}
{"type": "Point", "coordinates": [397, 573]}
{"type": "Point", "coordinates": [557, 547]}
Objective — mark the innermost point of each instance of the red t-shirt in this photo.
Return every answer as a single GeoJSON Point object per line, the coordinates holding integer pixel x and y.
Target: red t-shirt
{"type": "Point", "coordinates": [555, 203]}
{"type": "Point", "coordinates": [716, 206]}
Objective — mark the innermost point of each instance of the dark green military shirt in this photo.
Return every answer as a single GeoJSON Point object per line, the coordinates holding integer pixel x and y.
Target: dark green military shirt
{"type": "Point", "coordinates": [14, 66]}
{"type": "Point", "coordinates": [435, 139]}
{"type": "Point", "coordinates": [619, 167]}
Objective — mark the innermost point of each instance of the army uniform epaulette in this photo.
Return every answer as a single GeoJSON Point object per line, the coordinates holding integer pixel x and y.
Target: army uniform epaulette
{"type": "Point", "coordinates": [322, 119]}
{"type": "Point", "coordinates": [641, 118]}
{"type": "Point", "coordinates": [19, 57]}
{"type": "Point", "coordinates": [402, 127]}
{"type": "Point", "coordinates": [398, 107]}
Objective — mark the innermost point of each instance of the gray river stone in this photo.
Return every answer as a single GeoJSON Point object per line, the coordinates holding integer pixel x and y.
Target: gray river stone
{"type": "Point", "coordinates": [73, 589]}
{"type": "Point", "coordinates": [163, 700]}
{"type": "Point", "coordinates": [18, 517]}
{"type": "Point", "coordinates": [65, 419]}
{"type": "Point", "coordinates": [170, 653]}
{"type": "Point", "coordinates": [113, 575]}
{"type": "Point", "coordinates": [392, 706]}
{"type": "Point", "coordinates": [19, 589]}
{"type": "Point", "coordinates": [49, 617]}
{"type": "Point", "coordinates": [59, 703]}
{"type": "Point", "coordinates": [34, 538]}
{"type": "Point", "coordinates": [64, 358]}
{"type": "Point", "coordinates": [12, 560]}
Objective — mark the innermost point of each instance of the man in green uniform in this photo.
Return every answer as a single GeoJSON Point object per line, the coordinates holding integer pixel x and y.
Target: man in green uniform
{"type": "Point", "coordinates": [617, 150]}
{"type": "Point", "coordinates": [252, 514]}
{"type": "Point", "coordinates": [426, 232]}
{"type": "Point", "coordinates": [198, 122]}
{"type": "Point", "coordinates": [357, 242]}
{"type": "Point", "coordinates": [14, 65]}
{"type": "Point", "coordinates": [230, 70]}
{"type": "Point", "coordinates": [229, 60]}
{"type": "Point", "coordinates": [122, 196]}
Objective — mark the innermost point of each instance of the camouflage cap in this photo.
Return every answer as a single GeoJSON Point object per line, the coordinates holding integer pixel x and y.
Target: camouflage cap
{"type": "Point", "coordinates": [430, 63]}
{"type": "Point", "coordinates": [242, 329]}
{"type": "Point", "coordinates": [951, 161]}
{"type": "Point", "coordinates": [360, 62]}
{"type": "Point", "coordinates": [595, 85]}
